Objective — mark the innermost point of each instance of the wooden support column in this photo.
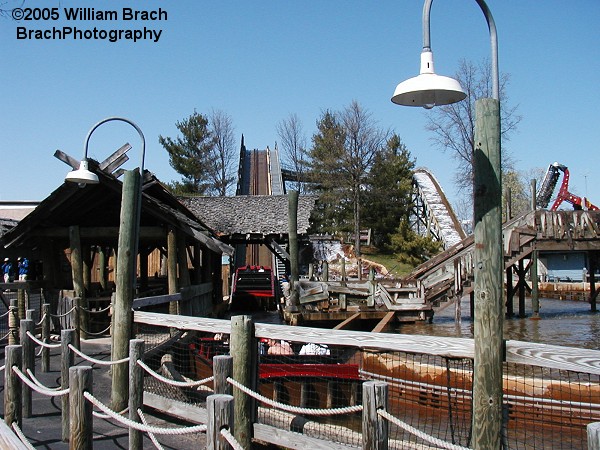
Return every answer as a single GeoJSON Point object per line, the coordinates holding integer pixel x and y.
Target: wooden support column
{"type": "Point", "coordinates": [293, 300]}
{"type": "Point", "coordinates": [521, 289]}
{"type": "Point", "coordinates": [122, 319]}
{"type": "Point", "coordinates": [102, 265]}
{"type": "Point", "coordinates": [244, 347]}
{"type": "Point", "coordinates": [489, 280]}
{"type": "Point", "coordinates": [77, 271]}
{"type": "Point", "coordinates": [593, 290]}
{"type": "Point", "coordinates": [184, 273]}
{"type": "Point", "coordinates": [143, 256]}
{"type": "Point", "coordinates": [509, 293]}
{"type": "Point", "coordinates": [217, 278]}
{"type": "Point", "coordinates": [535, 292]}
{"type": "Point", "coordinates": [172, 268]}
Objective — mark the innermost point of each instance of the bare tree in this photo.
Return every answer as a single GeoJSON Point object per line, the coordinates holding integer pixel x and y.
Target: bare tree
{"type": "Point", "coordinates": [293, 143]}
{"type": "Point", "coordinates": [453, 126]}
{"type": "Point", "coordinates": [363, 139]}
{"type": "Point", "coordinates": [223, 151]}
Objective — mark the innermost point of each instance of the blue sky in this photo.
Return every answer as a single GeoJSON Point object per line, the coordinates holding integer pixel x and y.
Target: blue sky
{"type": "Point", "coordinates": [259, 61]}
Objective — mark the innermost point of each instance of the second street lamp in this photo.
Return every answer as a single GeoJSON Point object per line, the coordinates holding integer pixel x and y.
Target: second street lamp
{"type": "Point", "coordinates": [428, 90]}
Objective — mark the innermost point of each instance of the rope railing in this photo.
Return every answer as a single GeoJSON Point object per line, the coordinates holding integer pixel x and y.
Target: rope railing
{"type": "Point", "coordinates": [94, 360]}
{"type": "Point", "coordinates": [95, 311]}
{"type": "Point", "coordinates": [58, 316]}
{"type": "Point", "coordinates": [44, 316]}
{"type": "Point", "coordinates": [41, 343]}
{"type": "Point", "coordinates": [295, 409]}
{"type": "Point", "coordinates": [5, 314]}
{"type": "Point", "coordinates": [39, 383]}
{"type": "Point", "coordinates": [189, 384]}
{"type": "Point", "coordinates": [150, 435]}
{"type": "Point", "coordinates": [95, 333]}
{"type": "Point", "coordinates": [39, 389]}
{"type": "Point", "coordinates": [5, 336]}
{"type": "Point", "coordinates": [21, 436]}
{"type": "Point", "coordinates": [140, 426]}
{"type": "Point", "coordinates": [230, 438]}
{"type": "Point", "coordinates": [418, 433]}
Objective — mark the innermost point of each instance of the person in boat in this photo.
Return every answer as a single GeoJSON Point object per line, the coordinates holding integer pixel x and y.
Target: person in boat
{"type": "Point", "coordinates": [279, 348]}
{"type": "Point", "coordinates": [314, 349]}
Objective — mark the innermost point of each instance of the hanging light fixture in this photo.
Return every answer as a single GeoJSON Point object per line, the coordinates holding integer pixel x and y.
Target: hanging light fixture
{"type": "Point", "coordinates": [428, 89]}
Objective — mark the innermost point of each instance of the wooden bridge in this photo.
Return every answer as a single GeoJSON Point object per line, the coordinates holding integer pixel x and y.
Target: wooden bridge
{"type": "Point", "coordinates": [449, 275]}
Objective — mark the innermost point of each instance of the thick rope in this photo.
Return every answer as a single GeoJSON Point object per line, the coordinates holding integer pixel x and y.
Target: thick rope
{"type": "Point", "coordinates": [231, 439]}
{"type": "Point", "coordinates": [65, 314]}
{"type": "Point", "coordinates": [39, 383]}
{"type": "Point", "coordinates": [41, 343]}
{"type": "Point", "coordinates": [100, 415]}
{"type": "Point", "coordinates": [295, 409]}
{"type": "Point", "coordinates": [150, 435]}
{"type": "Point", "coordinates": [99, 333]}
{"type": "Point", "coordinates": [170, 381]}
{"type": "Point", "coordinates": [5, 314]}
{"type": "Point", "coordinates": [141, 427]}
{"type": "Point", "coordinates": [97, 361]}
{"type": "Point", "coordinates": [41, 320]}
{"type": "Point", "coordinates": [21, 436]}
{"type": "Point", "coordinates": [36, 388]}
{"type": "Point", "coordinates": [2, 368]}
{"type": "Point", "coordinates": [5, 336]}
{"type": "Point", "coordinates": [426, 437]}
{"type": "Point", "coordinates": [96, 311]}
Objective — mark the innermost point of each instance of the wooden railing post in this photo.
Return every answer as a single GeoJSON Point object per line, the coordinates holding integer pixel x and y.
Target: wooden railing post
{"type": "Point", "coordinates": [13, 409]}
{"type": "Point", "coordinates": [244, 347]}
{"type": "Point", "coordinates": [82, 419]}
{"type": "Point", "coordinates": [13, 323]}
{"type": "Point", "coordinates": [76, 321]}
{"type": "Point", "coordinates": [220, 409]}
{"type": "Point", "coordinates": [45, 337]}
{"type": "Point", "coordinates": [375, 428]}
{"type": "Point", "coordinates": [136, 391]}
{"type": "Point", "coordinates": [27, 362]}
{"type": "Point", "coordinates": [222, 369]}
{"type": "Point", "coordinates": [67, 337]}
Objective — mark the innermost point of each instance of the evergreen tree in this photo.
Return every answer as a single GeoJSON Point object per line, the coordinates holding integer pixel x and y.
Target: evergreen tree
{"type": "Point", "coordinates": [191, 154]}
{"type": "Point", "coordinates": [332, 213]}
{"type": "Point", "coordinates": [387, 197]}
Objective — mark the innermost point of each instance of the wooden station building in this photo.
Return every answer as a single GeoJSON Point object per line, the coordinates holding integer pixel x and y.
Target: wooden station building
{"type": "Point", "coordinates": [71, 238]}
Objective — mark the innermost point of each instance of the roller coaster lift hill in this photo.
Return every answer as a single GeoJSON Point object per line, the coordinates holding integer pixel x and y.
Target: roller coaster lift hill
{"type": "Point", "coordinates": [548, 185]}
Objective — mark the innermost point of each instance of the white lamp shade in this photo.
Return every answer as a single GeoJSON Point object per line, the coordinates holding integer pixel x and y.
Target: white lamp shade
{"type": "Point", "coordinates": [428, 89]}
{"type": "Point", "coordinates": [82, 175]}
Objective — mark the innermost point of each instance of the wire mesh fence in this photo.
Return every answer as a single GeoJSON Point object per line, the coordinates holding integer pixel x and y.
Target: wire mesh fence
{"type": "Point", "coordinates": [543, 407]}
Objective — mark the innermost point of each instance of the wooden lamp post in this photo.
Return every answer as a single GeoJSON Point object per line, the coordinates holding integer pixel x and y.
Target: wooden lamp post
{"type": "Point", "coordinates": [428, 90]}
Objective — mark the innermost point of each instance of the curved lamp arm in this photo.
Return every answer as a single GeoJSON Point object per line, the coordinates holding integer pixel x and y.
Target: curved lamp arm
{"type": "Point", "coordinates": [493, 40]}
{"type": "Point", "coordinates": [121, 119]}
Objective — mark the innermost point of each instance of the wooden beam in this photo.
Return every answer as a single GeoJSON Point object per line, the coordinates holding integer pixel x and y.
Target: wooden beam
{"type": "Point", "coordinates": [347, 322]}
{"type": "Point", "coordinates": [68, 160]}
{"type": "Point", "coordinates": [155, 232]}
{"type": "Point", "coordinates": [383, 322]}
{"type": "Point", "coordinates": [115, 156]}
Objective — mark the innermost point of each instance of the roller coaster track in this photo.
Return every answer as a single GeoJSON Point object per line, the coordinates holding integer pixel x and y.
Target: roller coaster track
{"type": "Point", "coordinates": [432, 214]}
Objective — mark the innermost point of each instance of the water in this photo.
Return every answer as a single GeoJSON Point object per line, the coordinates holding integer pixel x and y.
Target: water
{"type": "Point", "coordinates": [562, 322]}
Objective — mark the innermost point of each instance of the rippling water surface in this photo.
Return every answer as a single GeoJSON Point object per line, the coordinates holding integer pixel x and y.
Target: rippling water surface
{"type": "Point", "coordinates": [562, 322]}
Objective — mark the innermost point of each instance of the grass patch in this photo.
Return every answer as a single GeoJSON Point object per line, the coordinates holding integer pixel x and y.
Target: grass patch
{"type": "Point", "coordinates": [391, 262]}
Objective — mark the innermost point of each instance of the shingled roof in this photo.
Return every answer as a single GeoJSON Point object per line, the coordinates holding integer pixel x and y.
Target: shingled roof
{"type": "Point", "coordinates": [256, 214]}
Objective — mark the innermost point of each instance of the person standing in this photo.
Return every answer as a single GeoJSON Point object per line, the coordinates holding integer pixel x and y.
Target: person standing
{"type": "Point", "coordinates": [23, 264]}
{"type": "Point", "coordinates": [6, 270]}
